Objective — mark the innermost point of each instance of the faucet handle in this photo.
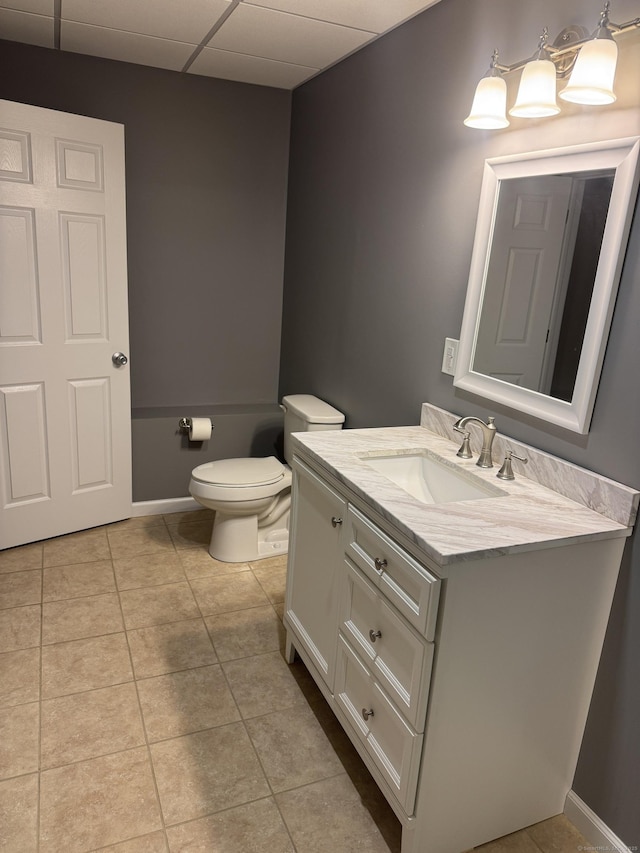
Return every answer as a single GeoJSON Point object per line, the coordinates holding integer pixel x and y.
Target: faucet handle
{"type": "Point", "coordinates": [465, 449]}
{"type": "Point", "coordinates": [506, 471]}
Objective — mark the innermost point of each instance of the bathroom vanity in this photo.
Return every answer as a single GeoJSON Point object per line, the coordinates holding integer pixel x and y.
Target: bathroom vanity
{"type": "Point", "coordinates": [454, 622]}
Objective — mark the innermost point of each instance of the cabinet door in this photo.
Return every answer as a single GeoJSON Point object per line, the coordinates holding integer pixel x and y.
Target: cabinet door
{"type": "Point", "coordinates": [315, 558]}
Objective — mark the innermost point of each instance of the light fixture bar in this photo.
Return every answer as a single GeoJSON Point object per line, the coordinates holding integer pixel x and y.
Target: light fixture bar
{"type": "Point", "coordinates": [573, 47]}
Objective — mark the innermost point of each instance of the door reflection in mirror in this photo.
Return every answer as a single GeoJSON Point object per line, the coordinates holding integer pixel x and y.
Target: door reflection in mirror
{"type": "Point", "coordinates": [545, 248]}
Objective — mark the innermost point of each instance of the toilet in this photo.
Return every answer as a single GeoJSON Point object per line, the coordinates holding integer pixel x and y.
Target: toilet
{"type": "Point", "coordinates": [252, 496]}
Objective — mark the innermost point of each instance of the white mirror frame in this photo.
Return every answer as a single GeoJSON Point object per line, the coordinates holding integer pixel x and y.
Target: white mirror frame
{"type": "Point", "coordinates": [619, 154]}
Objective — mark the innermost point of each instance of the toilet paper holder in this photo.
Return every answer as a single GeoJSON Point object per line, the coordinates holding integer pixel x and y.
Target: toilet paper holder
{"type": "Point", "coordinates": [184, 423]}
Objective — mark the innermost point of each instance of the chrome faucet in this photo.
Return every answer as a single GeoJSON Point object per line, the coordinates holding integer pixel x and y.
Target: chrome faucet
{"type": "Point", "coordinates": [488, 434]}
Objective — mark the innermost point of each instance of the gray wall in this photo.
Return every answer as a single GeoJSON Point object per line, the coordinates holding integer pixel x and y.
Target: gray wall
{"type": "Point", "coordinates": [206, 171]}
{"type": "Point", "coordinates": [384, 183]}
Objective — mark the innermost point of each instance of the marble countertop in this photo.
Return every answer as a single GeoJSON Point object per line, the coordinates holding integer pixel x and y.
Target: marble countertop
{"type": "Point", "coordinates": [526, 516]}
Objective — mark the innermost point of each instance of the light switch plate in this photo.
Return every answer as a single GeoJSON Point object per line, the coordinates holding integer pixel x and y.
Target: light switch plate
{"type": "Point", "coordinates": [450, 356]}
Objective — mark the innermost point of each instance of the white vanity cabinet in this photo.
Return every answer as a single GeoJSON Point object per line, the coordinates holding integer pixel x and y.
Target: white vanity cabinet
{"type": "Point", "coordinates": [464, 686]}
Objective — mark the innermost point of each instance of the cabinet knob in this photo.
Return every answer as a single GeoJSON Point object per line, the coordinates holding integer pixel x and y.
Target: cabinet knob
{"type": "Point", "coordinates": [380, 564]}
{"type": "Point", "coordinates": [335, 521]}
{"type": "Point", "coordinates": [374, 635]}
{"type": "Point", "coordinates": [366, 714]}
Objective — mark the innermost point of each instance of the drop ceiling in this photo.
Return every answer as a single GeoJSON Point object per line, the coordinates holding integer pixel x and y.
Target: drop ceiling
{"type": "Point", "coordinates": [280, 43]}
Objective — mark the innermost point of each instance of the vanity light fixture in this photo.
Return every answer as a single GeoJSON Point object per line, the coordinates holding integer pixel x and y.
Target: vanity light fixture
{"type": "Point", "coordinates": [589, 59]}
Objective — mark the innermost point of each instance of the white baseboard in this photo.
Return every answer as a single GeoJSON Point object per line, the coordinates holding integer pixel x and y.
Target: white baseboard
{"type": "Point", "coordinates": [603, 839]}
{"type": "Point", "coordinates": [165, 506]}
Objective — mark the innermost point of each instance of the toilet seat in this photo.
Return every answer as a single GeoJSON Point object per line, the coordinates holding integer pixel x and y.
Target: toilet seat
{"type": "Point", "coordinates": [240, 480]}
{"type": "Point", "coordinates": [240, 473]}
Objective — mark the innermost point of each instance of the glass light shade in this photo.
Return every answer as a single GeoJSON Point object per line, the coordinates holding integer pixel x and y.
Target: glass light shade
{"type": "Point", "coordinates": [537, 91]}
{"type": "Point", "coordinates": [591, 80]}
{"type": "Point", "coordinates": [488, 111]}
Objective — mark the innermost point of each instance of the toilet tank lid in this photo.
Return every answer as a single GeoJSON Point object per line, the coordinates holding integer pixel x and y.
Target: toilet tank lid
{"type": "Point", "coordinates": [312, 409]}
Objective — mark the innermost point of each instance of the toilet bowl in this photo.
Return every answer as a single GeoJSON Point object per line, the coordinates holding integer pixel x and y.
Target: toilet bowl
{"type": "Point", "coordinates": [251, 497]}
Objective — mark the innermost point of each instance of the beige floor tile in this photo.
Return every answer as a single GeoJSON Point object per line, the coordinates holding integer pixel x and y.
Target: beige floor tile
{"type": "Point", "coordinates": [517, 842]}
{"type": "Point", "coordinates": [558, 835]}
{"type": "Point", "coordinates": [98, 802]}
{"type": "Point", "coordinates": [148, 570]}
{"type": "Point", "coordinates": [191, 534]}
{"type": "Point", "coordinates": [262, 684]}
{"type": "Point", "coordinates": [18, 589]}
{"type": "Point", "coordinates": [137, 541]}
{"type": "Point", "coordinates": [292, 748]}
{"type": "Point", "coordinates": [157, 605]}
{"type": "Point", "coordinates": [21, 559]}
{"type": "Point", "coordinates": [206, 772]}
{"type": "Point", "coordinates": [84, 547]}
{"type": "Point", "coordinates": [19, 677]}
{"type": "Point", "coordinates": [135, 523]}
{"type": "Point", "coordinates": [272, 579]}
{"type": "Point", "coordinates": [61, 582]}
{"type": "Point", "coordinates": [252, 828]}
{"type": "Point", "coordinates": [19, 736]}
{"type": "Point", "coordinates": [85, 665]}
{"type": "Point", "coordinates": [227, 593]}
{"type": "Point", "coordinates": [243, 633]}
{"type": "Point", "coordinates": [185, 702]}
{"type": "Point", "coordinates": [328, 816]}
{"type": "Point", "coordinates": [168, 648]}
{"type": "Point", "coordinates": [279, 608]}
{"type": "Point", "coordinates": [198, 563]}
{"type": "Point", "coordinates": [155, 842]}
{"type": "Point", "coordinates": [20, 628]}
{"type": "Point", "coordinates": [77, 618]}
{"type": "Point", "coordinates": [191, 515]}
{"type": "Point", "coordinates": [19, 815]}
{"type": "Point", "coordinates": [86, 725]}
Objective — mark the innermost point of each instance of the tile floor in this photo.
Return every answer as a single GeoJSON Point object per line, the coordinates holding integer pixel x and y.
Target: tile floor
{"type": "Point", "coordinates": [145, 706]}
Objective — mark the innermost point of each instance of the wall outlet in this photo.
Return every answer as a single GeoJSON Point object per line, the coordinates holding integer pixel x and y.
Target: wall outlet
{"type": "Point", "coordinates": [450, 356]}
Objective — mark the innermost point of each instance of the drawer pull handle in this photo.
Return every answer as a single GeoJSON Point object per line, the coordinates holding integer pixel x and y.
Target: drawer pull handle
{"type": "Point", "coordinates": [374, 635]}
{"type": "Point", "coordinates": [366, 714]}
{"type": "Point", "coordinates": [380, 564]}
{"type": "Point", "coordinates": [335, 521]}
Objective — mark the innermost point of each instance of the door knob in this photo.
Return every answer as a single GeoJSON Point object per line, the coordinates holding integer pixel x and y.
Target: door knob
{"type": "Point", "coordinates": [119, 359]}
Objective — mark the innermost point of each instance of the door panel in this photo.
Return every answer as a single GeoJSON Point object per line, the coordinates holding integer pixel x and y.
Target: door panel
{"type": "Point", "coordinates": [65, 421]}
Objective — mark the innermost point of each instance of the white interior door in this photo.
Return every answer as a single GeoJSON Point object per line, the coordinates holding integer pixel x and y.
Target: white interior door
{"type": "Point", "coordinates": [65, 412]}
{"type": "Point", "coordinates": [521, 279]}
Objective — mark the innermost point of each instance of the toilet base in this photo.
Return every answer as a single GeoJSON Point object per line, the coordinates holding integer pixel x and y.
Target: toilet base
{"type": "Point", "coordinates": [241, 539]}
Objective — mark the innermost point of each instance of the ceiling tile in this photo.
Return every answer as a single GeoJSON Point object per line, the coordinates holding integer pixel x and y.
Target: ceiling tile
{"type": "Point", "coordinates": [186, 21]}
{"type": "Point", "coordinates": [286, 38]}
{"type": "Point", "coordinates": [377, 16]}
{"type": "Point", "coordinates": [30, 29]}
{"type": "Point", "coordinates": [127, 47]}
{"type": "Point", "coordinates": [249, 69]}
{"type": "Point", "coordinates": [38, 7]}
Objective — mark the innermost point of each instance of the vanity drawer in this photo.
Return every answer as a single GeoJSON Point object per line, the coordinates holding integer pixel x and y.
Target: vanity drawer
{"type": "Point", "coordinates": [392, 744]}
{"type": "Point", "coordinates": [407, 584]}
{"type": "Point", "coordinates": [396, 654]}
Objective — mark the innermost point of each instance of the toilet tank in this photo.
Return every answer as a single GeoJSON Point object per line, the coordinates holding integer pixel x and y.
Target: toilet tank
{"type": "Point", "coordinates": [306, 413]}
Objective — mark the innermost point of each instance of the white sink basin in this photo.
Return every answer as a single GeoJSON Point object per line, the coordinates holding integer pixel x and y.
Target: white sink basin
{"type": "Point", "coordinates": [433, 482]}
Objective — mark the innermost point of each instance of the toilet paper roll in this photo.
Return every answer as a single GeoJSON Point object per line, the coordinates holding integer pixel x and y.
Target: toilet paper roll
{"type": "Point", "coordinates": [200, 429]}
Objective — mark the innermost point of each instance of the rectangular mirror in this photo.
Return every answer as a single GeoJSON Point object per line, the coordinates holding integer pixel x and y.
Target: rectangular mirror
{"type": "Point", "coordinates": [550, 239]}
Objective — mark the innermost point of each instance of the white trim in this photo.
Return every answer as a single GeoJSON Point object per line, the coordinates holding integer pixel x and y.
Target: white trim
{"type": "Point", "coordinates": [160, 507]}
{"type": "Point", "coordinates": [603, 839]}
